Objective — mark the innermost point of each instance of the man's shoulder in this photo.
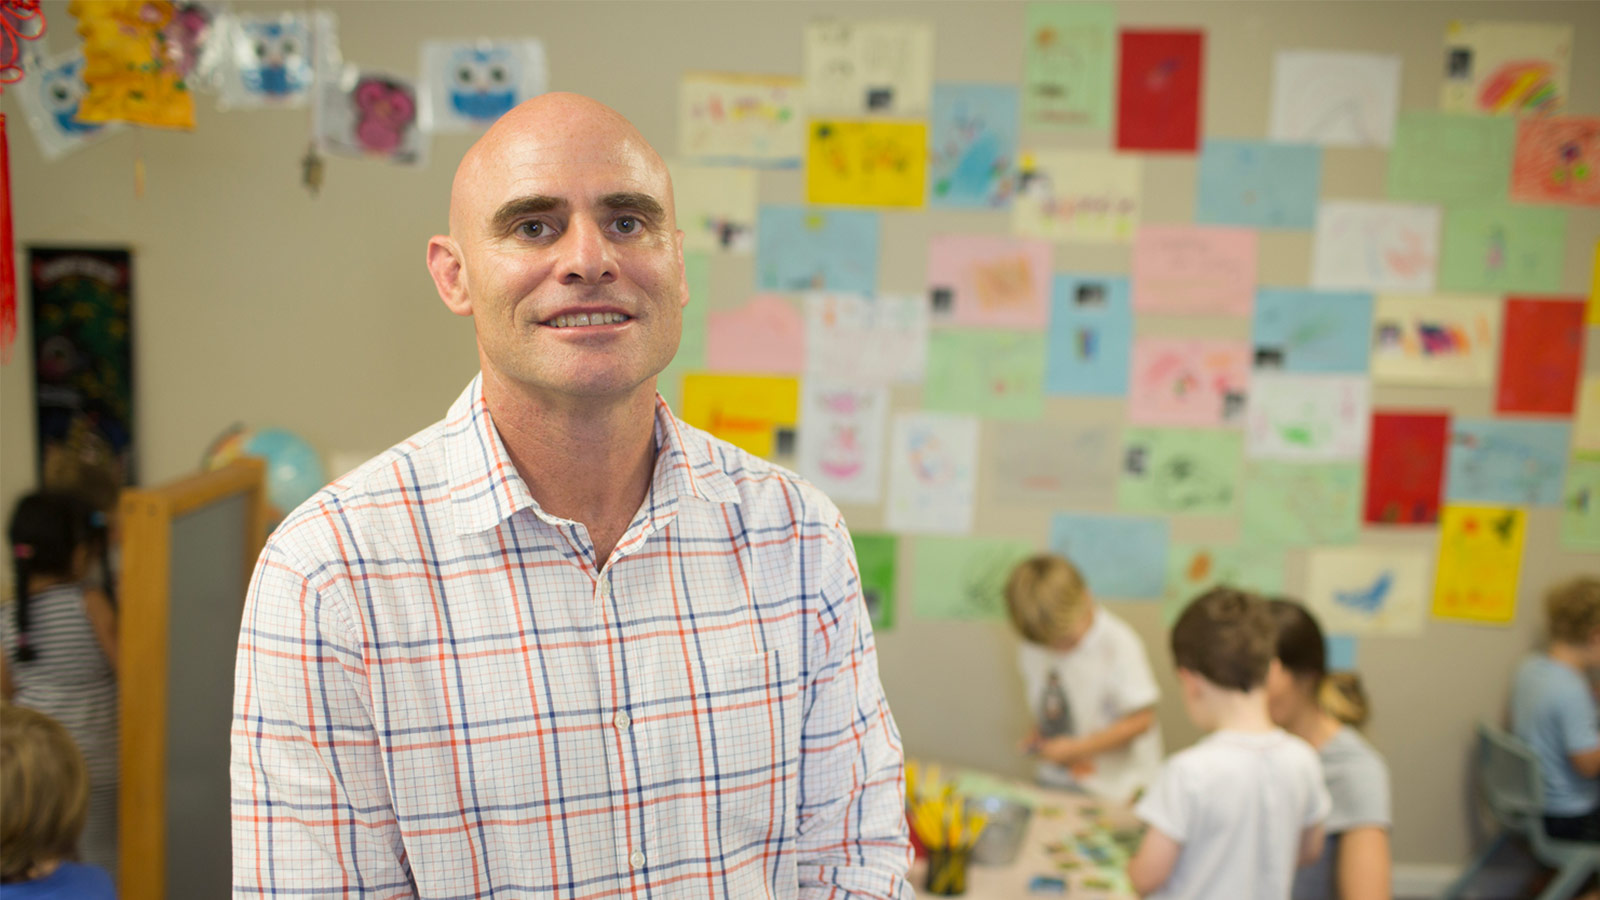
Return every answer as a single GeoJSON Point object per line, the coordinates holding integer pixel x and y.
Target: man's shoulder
{"type": "Point", "coordinates": [763, 488]}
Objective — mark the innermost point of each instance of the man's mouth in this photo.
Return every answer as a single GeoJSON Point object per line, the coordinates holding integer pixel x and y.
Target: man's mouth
{"type": "Point", "coordinates": [579, 320]}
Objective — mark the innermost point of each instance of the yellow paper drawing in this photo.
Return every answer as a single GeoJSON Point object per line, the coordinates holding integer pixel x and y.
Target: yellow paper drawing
{"type": "Point", "coordinates": [1480, 557]}
{"type": "Point", "coordinates": [866, 163]}
{"type": "Point", "coordinates": [756, 413]}
{"type": "Point", "coordinates": [1506, 68]}
{"type": "Point", "coordinates": [131, 72]}
{"type": "Point", "coordinates": [1077, 196]}
{"type": "Point", "coordinates": [1586, 419]}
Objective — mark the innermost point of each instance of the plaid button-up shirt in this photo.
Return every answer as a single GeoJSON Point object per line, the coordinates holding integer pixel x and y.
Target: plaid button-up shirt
{"type": "Point", "coordinates": [439, 696]}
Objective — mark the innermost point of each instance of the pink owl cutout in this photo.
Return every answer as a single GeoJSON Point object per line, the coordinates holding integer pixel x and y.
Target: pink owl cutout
{"type": "Point", "coordinates": [384, 110]}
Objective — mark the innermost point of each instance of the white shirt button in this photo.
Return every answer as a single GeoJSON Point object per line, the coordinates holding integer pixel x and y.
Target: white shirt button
{"type": "Point", "coordinates": [637, 859]}
{"type": "Point", "coordinates": [605, 589]}
{"type": "Point", "coordinates": [621, 720]}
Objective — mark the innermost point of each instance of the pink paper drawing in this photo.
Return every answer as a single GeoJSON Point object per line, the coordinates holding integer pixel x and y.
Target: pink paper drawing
{"type": "Point", "coordinates": [384, 110]}
{"type": "Point", "coordinates": [1185, 269]}
{"type": "Point", "coordinates": [989, 281]}
{"type": "Point", "coordinates": [766, 335]}
{"type": "Point", "coordinates": [1177, 381]}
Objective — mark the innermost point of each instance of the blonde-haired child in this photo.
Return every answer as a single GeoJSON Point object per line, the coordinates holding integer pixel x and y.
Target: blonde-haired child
{"type": "Point", "coordinates": [1553, 710]}
{"type": "Point", "coordinates": [44, 797]}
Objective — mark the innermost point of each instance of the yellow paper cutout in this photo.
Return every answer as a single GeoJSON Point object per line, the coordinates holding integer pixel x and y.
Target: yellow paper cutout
{"type": "Point", "coordinates": [744, 410]}
{"type": "Point", "coordinates": [130, 73]}
{"type": "Point", "coordinates": [866, 163]}
{"type": "Point", "coordinates": [1480, 558]}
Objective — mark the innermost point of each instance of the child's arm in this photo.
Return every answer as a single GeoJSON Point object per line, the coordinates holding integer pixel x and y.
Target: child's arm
{"type": "Point", "coordinates": [1066, 750]}
{"type": "Point", "coordinates": [1153, 864]}
{"type": "Point", "coordinates": [103, 619]}
{"type": "Point", "coordinates": [1311, 841]}
{"type": "Point", "coordinates": [1364, 864]}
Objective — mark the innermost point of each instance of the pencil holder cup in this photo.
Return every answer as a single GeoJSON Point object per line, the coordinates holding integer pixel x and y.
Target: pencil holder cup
{"type": "Point", "coordinates": [1003, 836]}
{"type": "Point", "coordinates": [947, 871]}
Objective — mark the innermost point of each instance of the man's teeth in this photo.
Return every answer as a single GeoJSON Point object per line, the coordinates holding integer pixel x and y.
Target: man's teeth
{"type": "Point", "coordinates": [570, 321]}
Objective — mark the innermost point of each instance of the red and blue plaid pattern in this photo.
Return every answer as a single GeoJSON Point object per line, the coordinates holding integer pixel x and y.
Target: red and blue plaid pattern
{"type": "Point", "coordinates": [438, 695]}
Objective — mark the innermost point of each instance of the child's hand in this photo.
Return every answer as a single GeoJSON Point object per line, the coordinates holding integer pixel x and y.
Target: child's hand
{"type": "Point", "coordinates": [1030, 742]}
{"type": "Point", "coordinates": [1063, 751]}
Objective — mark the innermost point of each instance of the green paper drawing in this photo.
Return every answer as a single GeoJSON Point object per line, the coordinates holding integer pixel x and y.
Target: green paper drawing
{"type": "Point", "coordinates": [1496, 248]}
{"type": "Point", "coordinates": [1302, 504]}
{"type": "Point", "coordinates": [1173, 470]}
{"type": "Point", "coordinates": [1194, 569]}
{"type": "Point", "coordinates": [692, 346]}
{"type": "Point", "coordinates": [1444, 157]}
{"type": "Point", "coordinates": [1070, 57]}
{"type": "Point", "coordinates": [992, 373]}
{"type": "Point", "coordinates": [1580, 504]}
{"type": "Point", "coordinates": [876, 560]}
{"type": "Point", "coordinates": [964, 579]}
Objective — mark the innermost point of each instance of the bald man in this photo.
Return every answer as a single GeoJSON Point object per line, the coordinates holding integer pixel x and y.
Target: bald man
{"type": "Point", "coordinates": [561, 644]}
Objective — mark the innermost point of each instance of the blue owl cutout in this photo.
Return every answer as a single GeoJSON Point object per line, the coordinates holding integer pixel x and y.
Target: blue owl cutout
{"type": "Point", "coordinates": [61, 89]}
{"type": "Point", "coordinates": [280, 66]}
{"type": "Point", "coordinates": [483, 82]}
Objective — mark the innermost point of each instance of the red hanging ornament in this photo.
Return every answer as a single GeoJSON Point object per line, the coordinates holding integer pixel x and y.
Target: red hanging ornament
{"type": "Point", "coordinates": [20, 20]}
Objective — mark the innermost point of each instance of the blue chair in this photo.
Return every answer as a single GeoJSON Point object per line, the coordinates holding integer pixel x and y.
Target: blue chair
{"type": "Point", "coordinates": [1508, 778]}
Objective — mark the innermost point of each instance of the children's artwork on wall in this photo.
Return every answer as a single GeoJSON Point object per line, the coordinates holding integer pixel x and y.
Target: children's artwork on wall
{"type": "Point", "coordinates": [741, 120]}
{"type": "Point", "coordinates": [1073, 196]}
{"type": "Point", "coordinates": [972, 161]}
{"type": "Point", "coordinates": [1447, 158]}
{"type": "Point", "coordinates": [1334, 99]}
{"type": "Point", "coordinates": [1091, 336]}
{"type": "Point", "coordinates": [1193, 569]}
{"type": "Point", "coordinates": [1405, 467]}
{"type": "Point", "coordinates": [1180, 471]}
{"type": "Point", "coordinates": [754, 412]}
{"type": "Point", "coordinates": [1586, 421]}
{"type": "Point", "coordinates": [766, 334]}
{"type": "Point", "coordinates": [1159, 88]}
{"type": "Point", "coordinates": [1580, 504]}
{"type": "Point", "coordinates": [467, 85]}
{"type": "Point", "coordinates": [131, 73]}
{"type": "Point", "coordinates": [1120, 557]}
{"type": "Point", "coordinates": [1480, 561]}
{"type": "Point", "coordinates": [716, 207]}
{"type": "Point", "coordinates": [1593, 317]}
{"type": "Point", "coordinates": [1375, 246]}
{"type": "Point", "coordinates": [992, 373]}
{"type": "Point", "coordinates": [1051, 464]}
{"type": "Point", "coordinates": [1301, 504]}
{"type": "Point", "coordinates": [1496, 247]}
{"type": "Point", "coordinates": [1506, 68]}
{"type": "Point", "coordinates": [1308, 418]}
{"type": "Point", "coordinates": [842, 435]}
{"type": "Point", "coordinates": [1557, 160]}
{"type": "Point", "coordinates": [1182, 269]}
{"type": "Point", "coordinates": [1541, 356]}
{"type": "Point", "coordinates": [1259, 184]}
{"type": "Point", "coordinates": [50, 96]}
{"type": "Point", "coordinates": [803, 249]}
{"type": "Point", "coordinates": [877, 559]}
{"type": "Point", "coordinates": [964, 579]}
{"type": "Point", "coordinates": [1442, 340]}
{"type": "Point", "coordinates": [691, 356]}
{"type": "Point", "coordinates": [1069, 61]}
{"type": "Point", "coordinates": [1369, 590]}
{"type": "Point", "coordinates": [989, 281]}
{"type": "Point", "coordinates": [860, 67]}
{"type": "Point", "coordinates": [866, 340]}
{"type": "Point", "coordinates": [368, 115]}
{"type": "Point", "coordinates": [866, 163]}
{"type": "Point", "coordinates": [1342, 651]}
{"type": "Point", "coordinates": [1521, 463]}
{"type": "Point", "coordinates": [271, 60]}
{"type": "Point", "coordinates": [1312, 332]}
{"type": "Point", "coordinates": [1184, 381]}
{"type": "Point", "coordinates": [932, 473]}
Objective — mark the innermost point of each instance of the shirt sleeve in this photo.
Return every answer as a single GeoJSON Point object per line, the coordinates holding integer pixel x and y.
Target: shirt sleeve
{"type": "Point", "coordinates": [1321, 801]}
{"type": "Point", "coordinates": [852, 836]}
{"type": "Point", "coordinates": [1359, 786]}
{"type": "Point", "coordinates": [1575, 720]}
{"type": "Point", "coordinates": [1135, 681]}
{"type": "Point", "coordinates": [312, 815]}
{"type": "Point", "coordinates": [1165, 806]}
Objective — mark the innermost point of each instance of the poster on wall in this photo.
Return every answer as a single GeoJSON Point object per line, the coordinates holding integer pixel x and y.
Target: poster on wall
{"type": "Point", "coordinates": [1480, 560]}
{"type": "Point", "coordinates": [1506, 68]}
{"type": "Point", "coordinates": [82, 301]}
{"type": "Point", "coordinates": [741, 120]}
{"type": "Point", "coordinates": [466, 85]}
{"type": "Point", "coordinates": [1070, 64]}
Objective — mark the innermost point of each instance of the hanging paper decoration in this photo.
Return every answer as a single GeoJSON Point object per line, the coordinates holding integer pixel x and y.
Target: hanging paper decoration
{"type": "Point", "coordinates": [131, 75]}
{"type": "Point", "coordinates": [271, 60]}
{"type": "Point", "coordinates": [369, 115]}
{"type": "Point", "coordinates": [190, 44]}
{"type": "Point", "coordinates": [51, 96]}
{"type": "Point", "coordinates": [466, 85]}
{"type": "Point", "coordinates": [20, 20]}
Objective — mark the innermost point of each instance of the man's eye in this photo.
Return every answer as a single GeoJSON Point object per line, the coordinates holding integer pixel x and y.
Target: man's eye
{"type": "Point", "coordinates": [531, 229]}
{"type": "Point", "coordinates": [627, 224]}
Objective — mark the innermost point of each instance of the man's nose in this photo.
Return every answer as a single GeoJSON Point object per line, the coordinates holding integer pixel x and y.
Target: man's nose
{"type": "Point", "coordinates": [589, 255]}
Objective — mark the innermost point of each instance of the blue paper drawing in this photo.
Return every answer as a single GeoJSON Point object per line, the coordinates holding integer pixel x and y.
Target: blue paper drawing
{"type": "Point", "coordinates": [1260, 184]}
{"type": "Point", "coordinates": [1507, 463]}
{"type": "Point", "coordinates": [1091, 335]}
{"type": "Point", "coordinates": [972, 158]}
{"type": "Point", "coordinates": [1341, 649]}
{"type": "Point", "coordinates": [802, 248]}
{"type": "Point", "coordinates": [1299, 330]}
{"type": "Point", "coordinates": [484, 81]}
{"type": "Point", "coordinates": [1368, 599]}
{"type": "Point", "coordinates": [1121, 557]}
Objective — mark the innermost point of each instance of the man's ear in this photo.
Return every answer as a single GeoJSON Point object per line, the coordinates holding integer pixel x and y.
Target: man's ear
{"type": "Point", "coordinates": [449, 274]}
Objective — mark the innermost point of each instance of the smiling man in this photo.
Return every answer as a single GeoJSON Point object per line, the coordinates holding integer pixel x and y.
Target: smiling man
{"type": "Point", "coordinates": [561, 644]}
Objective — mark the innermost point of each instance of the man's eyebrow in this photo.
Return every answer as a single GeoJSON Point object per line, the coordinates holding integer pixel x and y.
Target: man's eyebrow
{"type": "Point", "coordinates": [512, 210]}
{"type": "Point", "coordinates": [640, 202]}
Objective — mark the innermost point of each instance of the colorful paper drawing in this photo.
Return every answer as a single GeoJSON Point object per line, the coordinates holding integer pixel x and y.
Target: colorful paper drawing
{"type": "Point", "coordinates": [932, 473]}
{"type": "Point", "coordinates": [1091, 336]}
{"type": "Point", "coordinates": [1495, 248]}
{"type": "Point", "coordinates": [1077, 197]}
{"type": "Point", "coordinates": [1580, 505]}
{"type": "Point", "coordinates": [1375, 246]}
{"type": "Point", "coordinates": [1301, 504]}
{"type": "Point", "coordinates": [50, 96]}
{"type": "Point", "coordinates": [1405, 467]}
{"type": "Point", "coordinates": [1259, 184]}
{"type": "Point", "coordinates": [877, 560]}
{"type": "Point", "coordinates": [964, 579]}
{"type": "Point", "coordinates": [1449, 158]}
{"type": "Point", "coordinates": [802, 249]}
{"type": "Point", "coordinates": [1506, 462]}
{"type": "Point", "coordinates": [1184, 381]}
{"type": "Point", "coordinates": [1158, 96]}
{"type": "Point", "coordinates": [1452, 340]}
{"type": "Point", "coordinates": [1120, 557]}
{"type": "Point", "coordinates": [1557, 160]}
{"type": "Point", "coordinates": [866, 163]}
{"type": "Point", "coordinates": [766, 335]}
{"type": "Point", "coordinates": [368, 115]}
{"type": "Point", "coordinates": [1541, 356]}
{"type": "Point", "coordinates": [756, 413]}
{"type": "Point", "coordinates": [467, 85]}
{"type": "Point", "coordinates": [1342, 651]}
{"type": "Point", "coordinates": [1369, 590]}
{"type": "Point", "coordinates": [741, 120]}
{"type": "Point", "coordinates": [131, 73]}
{"type": "Point", "coordinates": [1051, 464]}
{"type": "Point", "coordinates": [842, 433]}
{"type": "Point", "coordinates": [1193, 569]}
{"type": "Point", "coordinates": [866, 340]}
{"type": "Point", "coordinates": [1308, 418]}
{"type": "Point", "coordinates": [1306, 331]}
{"type": "Point", "coordinates": [1506, 68]}
{"type": "Point", "coordinates": [1178, 470]}
{"type": "Point", "coordinates": [691, 356]}
{"type": "Point", "coordinates": [1586, 421]}
{"type": "Point", "coordinates": [868, 67]}
{"type": "Point", "coordinates": [1480, 561]}
{"type": "Point", "coordinates": [1069, 61]}
{"type": "Point", "coordinates": [716, 207]}
{"type": "Point", "coordinates": [972, 162]}
{"type": "Point", "coordinates": [1187, 270]}
{"type": "Point", "coordinates": [986, 372]}
{"type": "Point", "coordinates": [1334, 99]}
{"type": "Point", "coordinates": [987, 281]}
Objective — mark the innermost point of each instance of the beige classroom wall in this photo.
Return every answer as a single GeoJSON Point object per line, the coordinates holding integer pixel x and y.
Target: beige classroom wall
{"type": "Point", "coordinates": [258, 303]}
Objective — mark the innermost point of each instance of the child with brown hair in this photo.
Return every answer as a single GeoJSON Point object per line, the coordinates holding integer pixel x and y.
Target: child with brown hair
{"type": "Point", "coordinates": [1233, 815]}
{"type": "Point", "coordinates": [44, 797]}
{"type": "Point", "coordinates": [1553, 710]}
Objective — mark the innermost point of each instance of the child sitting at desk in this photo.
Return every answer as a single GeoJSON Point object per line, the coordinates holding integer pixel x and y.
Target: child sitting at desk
{"type": "Point", "coordinates": [1089, 684]}
{"type": "Point", "coordinates": [1233, 815]}
{"type": "Point", "coordinates": [1553, 711]}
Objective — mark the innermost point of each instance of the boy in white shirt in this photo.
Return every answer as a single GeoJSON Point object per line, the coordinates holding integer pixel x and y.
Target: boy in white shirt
{"type": "Point", "coordinates": [1232, 816]}
{"type": "Point", "coordinates": [1089, 684]}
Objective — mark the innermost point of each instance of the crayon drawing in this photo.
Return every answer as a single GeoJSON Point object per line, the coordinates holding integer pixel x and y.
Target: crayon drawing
{"type": "Point", "coordinates": [805, 249]}
{"type": "Point", "coordinates": [1541, 356]}
{"type": "Point", "coordinates": [756, 413]}
{"type": "Point", "coordinates": [1451, 340]}
{"type": "Point", "coordinates": [1334, 99]}
{"type": "Point", "coordinates": [933, 461]}
{"type": "Point", "coordinates": [1258, 183]}
{"type": "Point", "coordinates": [1077, 197]}
{"type": "Point", "coordinates": [1301, 504]}
{"type": "Point", "coordinates": [1121, 557]}
{"type": "Point", "coordinates": [1405, 467]}
{"type": "Point", "coordinates": [1580, 505]}
{"type": "Point", "coordinates": [1184, 270]}
{"type": "Point", "coordinates": [989, 281]}
{"type": "Point", "coordinates": [1091, 336]}
{"type": "Point", "coordinates": [988, 372]}
{"type": "Point", "coordinates": [1193, 569]}
{"type": "Point", "coordinates": [1479, 563]}
{"type": "Point", "coordinates": [716, 207]}
{"type": "Point", "coordinates": [1308, 418]}
{"type": "Point", "coordinates": [964, 579]}
{"type": "Point", "coordinates": [857, 67]}
{"type": "Point", "coordinates": [1375, 246]}
{"type": "Point", "coordinates": [1496, 247]}
{"type": "Point", "coordinates": [1515, 463]}
{"type": "Point", "coordinates": [866, 163]}
{"type": "Point", "coordinates": [972, 161]}
{"type": "Point", "coordinates": [877, 559]}
{"type": "Point", "coordinates": [765, 335]}
{"type": "Point", "coordinates": [1506, 68]}
{"type": "Point", "coordinates": [1298, 330]}
{"type": "Point", "coordinates": [842, 435]}
{"type": "Point", "coordinates": [1447, 158]}
{"type": "Point", "coordinates": [1051, 464]}
{"type": "Point", "coordinates": [880, 339]}
{"type": "Point", "coordinates": [1180, 471]}
{"type": "Point", "coordinates": [1369, 590]}
{"type": "Point", "coordinates": [745, 120]}
{"type": "Point", "coordinates": [1557, 160]}
{"type": "Point", "coordinates": [1178, 381]}
{"type": "Point", "coordinates": [1069, 59]}
{"type": "Point", "coordinates": [1158, 96]}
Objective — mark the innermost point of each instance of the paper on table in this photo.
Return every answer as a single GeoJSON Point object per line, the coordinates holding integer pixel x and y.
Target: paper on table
{"type": "Point", "coordinates": [1497, 247]}
{"type": "Point", "coordinates": [866, 162]}
{"type": "Point", "coordinates": [989, 372]}
{"type": "Point", "coordinates": [1335, 99]}
{"type": "Point", "coordinates": [932, 473]}
{"type": "Point", "coordinates": [1506, 68]}
{"type": "Point", "coordinates": [806, 249]}
{"type": "Point", "coordinates": [983, 280]}
{"type": "Point", "coordinates": [1369, 590]}
{"type": "Point", "coordinates": [1074, 196]}
{"type": "Point", "coordinates": [1518, 463]}
{"type": "Point", "coordinates": [740, 119]}
{"type": "Point", "coordinates": [1182, 381]}
{"type": "Point", "coordinates": [1180, 470]}
{"type": "Point", "coordinates": [1405, 467]}
{"type": "Point", "coordinates": [1308, 418]}
{"type": "Point", "coordinates": [867, 340]}
{"type": "Point", "coordinates": [1184, 269]}
{"type": "Point", "coordinates": [1258, 183]}
{"type": "Point", "coordinates": [765, 335]}
{"type": "Point", "coordinates": [1300, 330]}
{"type": "Point", "coordinates": [1375, 246]}
{"type": "Point", "coordinates": [868, 66]}
{"type": "Point", "coordinates": [842, 432]}
{"type": "Point", "coordinates": [1120, 557]}
{"type": "Point", "coordinates": [755, 413]}
{"type": "Point", "coordinates": [716, 207]}
{"type": "Point", "coordinates": [1446, 157]}
{"type": "Point", "coordinates": [1069, 62]}
{"type": "Point", "coordinates": [1091, 336]}
{"type": "Point", "coordinates": [1435, 340]}
{"type": "Point", "coordinates": [972, 161]}
{"type": "Point", "coordinates": [1480, 558]}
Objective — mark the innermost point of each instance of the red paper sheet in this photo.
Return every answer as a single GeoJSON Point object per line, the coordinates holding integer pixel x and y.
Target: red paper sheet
{"type": "Point", "coordinates": [1405, 467]}
{"type": "Point", "coordinates": [1541, 356]}
{"type": "Point", "coordinates": [1158, 91]}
